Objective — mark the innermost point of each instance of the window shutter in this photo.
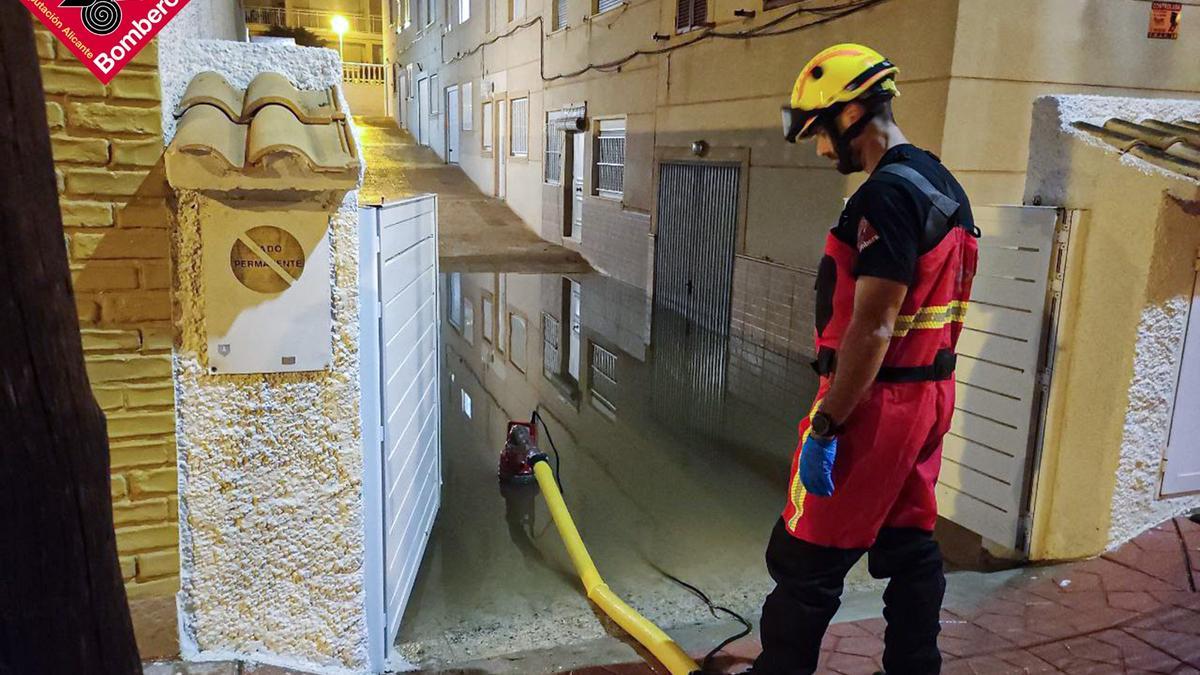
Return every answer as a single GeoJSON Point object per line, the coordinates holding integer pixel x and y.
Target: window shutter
{"type": "Point", "coordinates": [603, 6]}
{"type": "Point", "coordinates": [690, 14]}
{"type": "Point", "coordinates": [560, 14]}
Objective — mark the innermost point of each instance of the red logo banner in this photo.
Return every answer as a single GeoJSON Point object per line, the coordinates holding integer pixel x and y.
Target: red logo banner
{"type": "Point", "coordinates": [105, 34]}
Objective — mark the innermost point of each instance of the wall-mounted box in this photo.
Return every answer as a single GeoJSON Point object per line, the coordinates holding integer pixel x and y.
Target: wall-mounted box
{"type": "Point", "coordinates": [266, 288]}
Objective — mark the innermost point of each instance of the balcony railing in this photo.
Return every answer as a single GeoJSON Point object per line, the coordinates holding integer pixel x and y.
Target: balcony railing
{"type": "Point", "coordinates": [370, 73]}
{"type": "Point", "coordinates": [312, 19]}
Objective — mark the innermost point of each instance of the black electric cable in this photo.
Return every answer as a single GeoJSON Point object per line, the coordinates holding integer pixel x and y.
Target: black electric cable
{"type": "Point", "coordinates": [713, 609]}
{"type": "Point", "coordinates": [535, 417]}
{"type": "Point", "coordinates": [827, 12]}
{"type": "Point", "coordinates": [833, 12]}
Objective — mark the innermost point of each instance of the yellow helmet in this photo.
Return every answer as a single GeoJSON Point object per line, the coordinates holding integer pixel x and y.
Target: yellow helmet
{"type": "Point", "coordinates": [838, 75]}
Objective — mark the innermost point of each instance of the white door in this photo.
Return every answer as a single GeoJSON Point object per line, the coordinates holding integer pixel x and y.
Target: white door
{"type": "Point", "coordinates": [1182, 472]}
{"type": "Point", "coordinates": [401, 101]}
{"type": "Point", "coordinates": [423, 111]}
{"type": "Point", "coordinates": [575, 329]}
{"type": "Point", "coordinates": [401, 426]}
{"type": "Point", "coordinates": [452, 126]}
{"type": "Point", "coordinates": [1003, 372]}
{"type": "Point", "coordinates": [577, 141]}
{"type": "Point", "coordinates": [502, 148]}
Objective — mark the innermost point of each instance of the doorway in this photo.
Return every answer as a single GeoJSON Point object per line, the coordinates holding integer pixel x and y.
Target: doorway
{"type": "Point", "coordinates": [693, 290]}
{"type": "Point", "coordinates": [423, 111]}
{"type": "Point", "coordinates": [452, 125]}
{"type": "Point", "coordinates": [574, 164]}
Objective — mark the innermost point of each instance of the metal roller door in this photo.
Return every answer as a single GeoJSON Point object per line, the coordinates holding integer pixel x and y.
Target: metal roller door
{"type": "Point", "coordinates": [693, 283]}
{"type": "Point", "coordinates": [1004, 367]}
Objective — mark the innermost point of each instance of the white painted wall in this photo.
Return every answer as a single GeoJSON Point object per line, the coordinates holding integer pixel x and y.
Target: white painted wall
{"type": "Point", "coordinates": [365, 99]}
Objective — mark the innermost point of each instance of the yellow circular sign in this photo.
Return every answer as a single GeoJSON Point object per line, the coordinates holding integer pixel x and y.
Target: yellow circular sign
{"type": "Point", "coordinates": [266, 259]}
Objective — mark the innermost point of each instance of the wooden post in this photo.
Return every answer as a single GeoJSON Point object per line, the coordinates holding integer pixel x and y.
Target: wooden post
{"type": "Point", "coordinates": [62, 600]}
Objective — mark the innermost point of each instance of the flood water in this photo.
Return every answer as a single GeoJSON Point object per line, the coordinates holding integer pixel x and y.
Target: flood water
{"type": "Point", "coordinates": [664, 468]}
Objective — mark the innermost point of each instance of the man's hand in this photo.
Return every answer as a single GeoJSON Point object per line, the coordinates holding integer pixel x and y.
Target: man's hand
{"type": "Point", "coordinates": [816, 464]}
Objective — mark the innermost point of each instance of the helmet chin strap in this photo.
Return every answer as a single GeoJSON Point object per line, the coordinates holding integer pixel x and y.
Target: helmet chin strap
{"type": "Point", "coordinates": [846, 162]}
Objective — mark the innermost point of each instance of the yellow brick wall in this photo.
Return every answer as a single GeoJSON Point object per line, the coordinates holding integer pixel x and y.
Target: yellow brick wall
{"type": "Point", "coordinates": [107, 141]}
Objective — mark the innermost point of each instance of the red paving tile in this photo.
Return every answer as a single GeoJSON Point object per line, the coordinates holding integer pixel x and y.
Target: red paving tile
{"type": "Point", "coordinates": [1134, 610]}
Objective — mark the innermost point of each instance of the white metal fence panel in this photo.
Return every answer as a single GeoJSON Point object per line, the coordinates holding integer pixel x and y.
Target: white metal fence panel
{"type": "Point", "coordinates": [401, 426]}
{"type": "Point", "coordinates": [1182, 473]}
{"type": "Point", "coordinates": [989, 453]}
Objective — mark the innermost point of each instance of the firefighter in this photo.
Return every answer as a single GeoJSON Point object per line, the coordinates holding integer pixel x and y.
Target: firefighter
{"type": "Point", "coordinates": [892, 291]}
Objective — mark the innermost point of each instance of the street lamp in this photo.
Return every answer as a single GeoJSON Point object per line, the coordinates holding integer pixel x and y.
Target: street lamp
{"type": "Point", "coordinates": [340, 26]}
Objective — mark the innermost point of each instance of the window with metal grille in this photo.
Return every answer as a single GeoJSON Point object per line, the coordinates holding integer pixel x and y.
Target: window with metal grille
{"type": "Point", "coordinates": [455, 300]}
{"type": "Point", "coordinates": [560, 14]}
{"type": "Point", "coordinates": [488, 311]}
{"type": "Point", "coordinates": [690, 14]}
{"type": "Point", "coordinates": [604, 378]}
{"type": "Point", "coordinates": [520, 126]}
{"type": "Point", "coordinates": [603, 6]}
{"type": "Point", "coordinates": [468, 327]}
{"type": "Point", "coordinates": [468, 106]}
{"type": "Point", "coordinates": [502, 304]}
{"type": "Point", "coordinates": [517, 333]}
{"type": "Point", "coordinates": [464, 11]}
{"type": "Point", "coordinates": [550, 337]}
{"type": "Point", "coordinates": [610, 158]}
{"type": "Point", "coordinates": [487, 126]}
{"type": "Point", "coordinates": [554, 151]}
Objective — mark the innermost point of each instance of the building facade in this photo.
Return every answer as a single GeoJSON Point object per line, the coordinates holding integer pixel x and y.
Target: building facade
{"type": "Point", "coordinates": [608, 126]}
{"type": "Point", "coordinates": [361, 41]}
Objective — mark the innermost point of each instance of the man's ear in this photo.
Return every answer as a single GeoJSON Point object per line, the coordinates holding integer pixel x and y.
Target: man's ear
{"type": "Point", "coordinates": [850, 114]}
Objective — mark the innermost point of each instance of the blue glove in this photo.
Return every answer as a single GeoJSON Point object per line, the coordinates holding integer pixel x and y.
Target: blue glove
{"type": "Point", "coordinates": [816, 464]}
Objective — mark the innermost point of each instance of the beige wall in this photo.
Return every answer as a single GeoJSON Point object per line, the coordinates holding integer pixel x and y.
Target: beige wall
{"type": "Point", "coordinates": [969, 72]}
{"type": "Point", "coordinates": [106, 141]}
{"type": "Point", "coordinates": [1131, 257]}
{"type": "Point", "coordinates": [1008, 53]}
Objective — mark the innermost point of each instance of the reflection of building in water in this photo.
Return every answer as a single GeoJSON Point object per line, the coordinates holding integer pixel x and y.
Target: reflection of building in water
{"type": "Point", "coordinates": [649, 491]}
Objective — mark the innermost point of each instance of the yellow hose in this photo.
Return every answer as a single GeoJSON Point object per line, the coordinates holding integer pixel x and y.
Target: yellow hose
{"type": "Point", "coordinates": [650, 636]}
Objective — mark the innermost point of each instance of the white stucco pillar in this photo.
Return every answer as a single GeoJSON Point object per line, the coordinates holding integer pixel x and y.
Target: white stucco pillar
{"type": "Point", "coordinates": [270, 465]}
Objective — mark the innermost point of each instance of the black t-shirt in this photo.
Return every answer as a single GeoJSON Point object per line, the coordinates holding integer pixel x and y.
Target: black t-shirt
{"type": "Point", "coordinates": [885, 219]}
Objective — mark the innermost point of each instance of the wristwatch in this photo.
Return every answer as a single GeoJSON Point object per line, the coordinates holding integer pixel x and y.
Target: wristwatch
{"type": "Point", "coordinates": [823, 425]}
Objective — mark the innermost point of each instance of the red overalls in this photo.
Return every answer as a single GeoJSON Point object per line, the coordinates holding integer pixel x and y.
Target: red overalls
{"type": "Point", "coordinates": [890, 450]}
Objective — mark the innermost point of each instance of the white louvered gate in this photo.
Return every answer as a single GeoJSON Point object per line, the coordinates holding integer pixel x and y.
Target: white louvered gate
{"type": "Point", "coordinates": [401, 408]}
{"type": "Point", "coordinates": [1004, 367]}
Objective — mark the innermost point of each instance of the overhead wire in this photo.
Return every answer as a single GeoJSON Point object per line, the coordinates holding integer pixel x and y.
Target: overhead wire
{"type": "Point", "coordinates": [828, 13]}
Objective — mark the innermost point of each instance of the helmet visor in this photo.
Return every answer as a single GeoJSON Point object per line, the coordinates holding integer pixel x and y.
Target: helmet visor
{"type": "Point", "coordinates": [797, 123]}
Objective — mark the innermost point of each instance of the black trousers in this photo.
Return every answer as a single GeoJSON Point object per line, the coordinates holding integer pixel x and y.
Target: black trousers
{"type": "Point", "coordinates": [808, 588]}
